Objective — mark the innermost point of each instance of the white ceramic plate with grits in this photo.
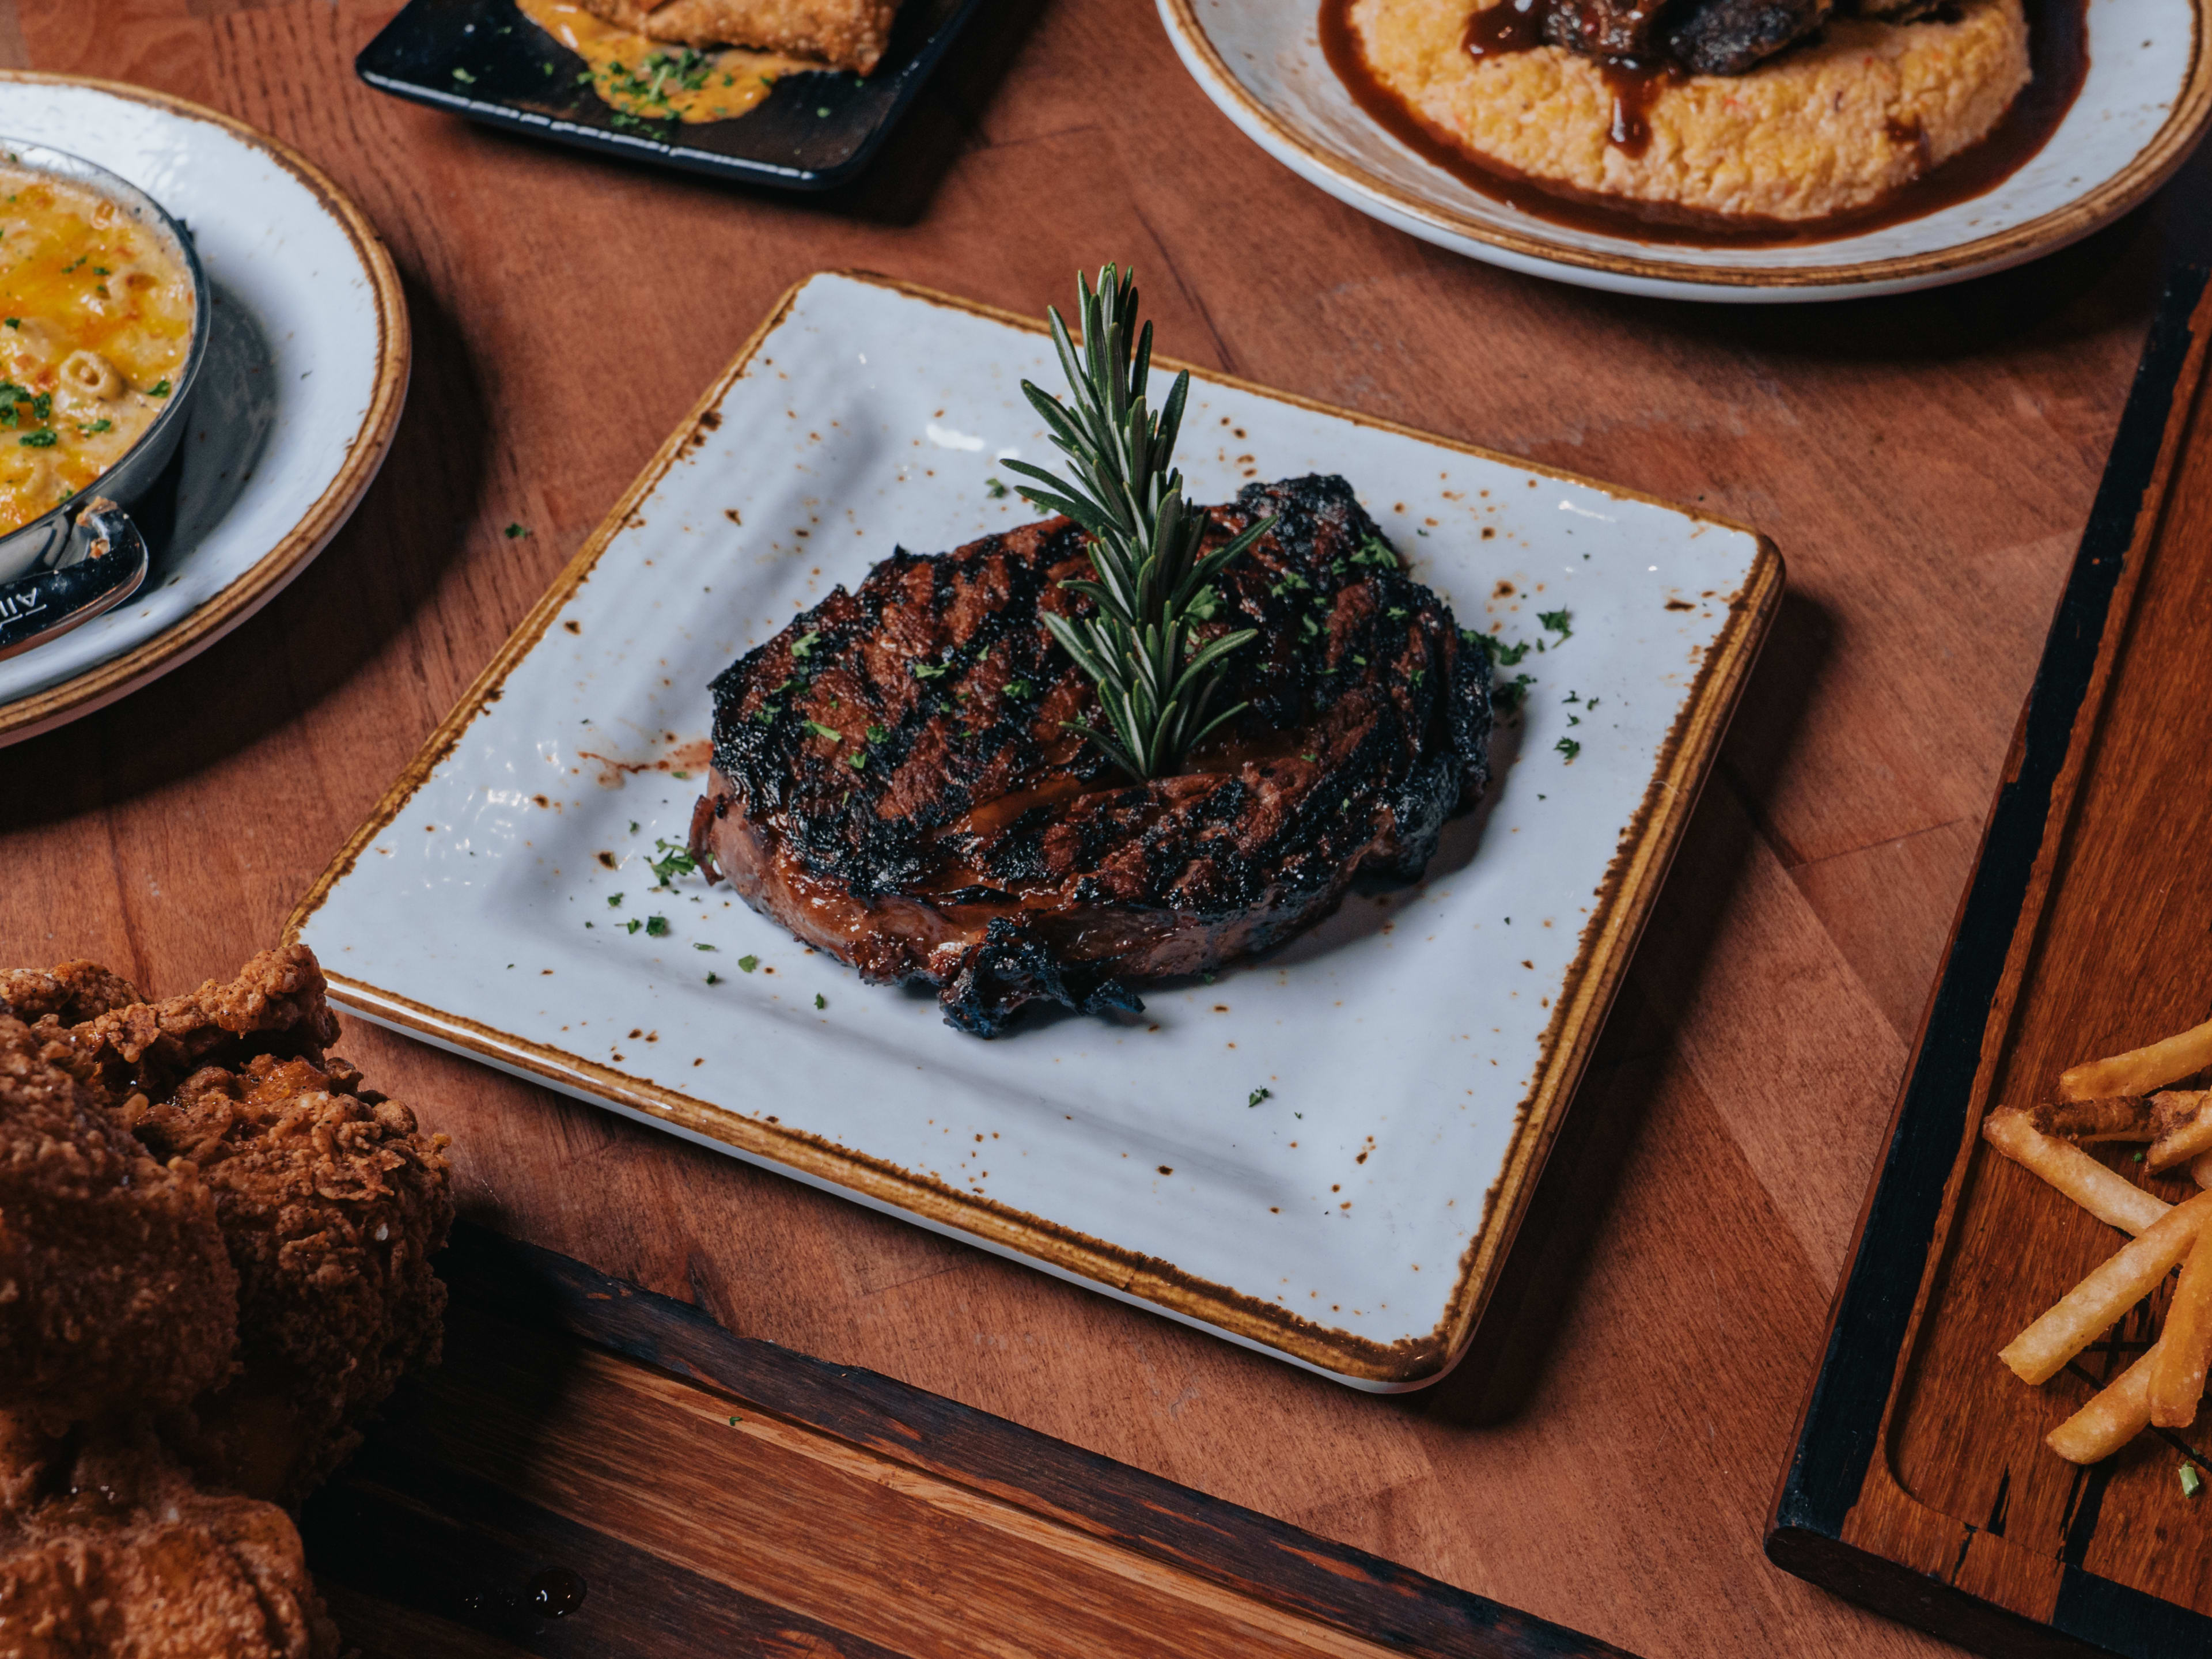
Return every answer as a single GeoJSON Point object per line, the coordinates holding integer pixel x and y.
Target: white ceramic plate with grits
{"type": "Point", "coordinates": [2144, 104]}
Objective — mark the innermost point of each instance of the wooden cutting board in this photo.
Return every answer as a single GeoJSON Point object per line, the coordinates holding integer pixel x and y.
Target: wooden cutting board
{"type": "Point", "coordinates": [597, 1470]}
{"type": "Point", "coordinates": [1921, 1484]}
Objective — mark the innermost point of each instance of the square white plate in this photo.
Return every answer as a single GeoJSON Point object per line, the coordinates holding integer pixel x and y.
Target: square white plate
{"type": "Point", "coordinates": [1417, 1050]}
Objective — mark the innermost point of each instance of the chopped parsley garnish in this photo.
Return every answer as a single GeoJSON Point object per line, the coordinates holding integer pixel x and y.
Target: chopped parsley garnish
{"type": "Point", "coordinates": [159, 389]}
{"type": "Point", "coordinates": [1501, 654]}
{"type": "Point", "coordinates": [820, 1001]}
{"type": "Point", "coordinates": [674, 861]}
{"type": "Point", "coordinates": [2192, 1482]}
{"type": "Point", "coordinates": [1507, 696]}
{"type": "Point", "coordinates": [703, 947]}
{"type": "Point", "coordinates": [994, 488]}
{"type": "Point", "coordinates": [464, 77]}
{"type": "Point", "coordinates": [1568, 747]}
{"type": "Point", "coordinates": [1397, 613]}
{"type": "Point", "coordinates": [614, 901]}
{"type": "Point", "coordinates": [803, 645]}
{"type": "Point", "coordinates": [821, 730]}
{"type": "Point", "coordinates": [42, 440]}
{"type": "Point", "coordinates": [747, 964]}
{"type": "Point", "coordinates": [859, 761]}
{"type": "Point", "coordinates": [15, 322]}
{"type": "Point", "coordinates": [930, 671]}
{"type": "Point", "coordinates": [1019, 688]}
{"type": "Point", "coordinates": [1376, 552]}
{"type": "Point", "coordinates": [877, 734]}
{"type": "Point", "coordinates": [516, 532]}
{"type": "Point", "coordinates": [713, 978]}
{"type": "Point", "coordinates": [1259, 1095]}
{"type": "Point", "coordinates": [1287, 581]}
{"type": "Point", "coordinates": [634, 924]}
{"type": "Point", "coordinates": [1205, 602]}
{"type": "Point", "coordinates": [656, 927]}
{"type": "Point", "coordinates": [103, 424]}
{"type": "Point", "coordinates": [1557, 621]}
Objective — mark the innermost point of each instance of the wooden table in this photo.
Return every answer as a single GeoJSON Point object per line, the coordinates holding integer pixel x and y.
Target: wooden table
{"type": "Point", "coordinates": [1925, 464]}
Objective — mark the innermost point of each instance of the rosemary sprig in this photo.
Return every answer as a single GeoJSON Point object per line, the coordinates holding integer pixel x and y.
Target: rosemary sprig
{"type": "Point", "coordinates": [1152, 586]}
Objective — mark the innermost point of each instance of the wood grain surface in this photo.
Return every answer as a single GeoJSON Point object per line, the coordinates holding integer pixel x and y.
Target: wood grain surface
{"type": "Point", "coordinates": [1926, 464]}
{"type": "Point", "coordinates": [686, 1491]}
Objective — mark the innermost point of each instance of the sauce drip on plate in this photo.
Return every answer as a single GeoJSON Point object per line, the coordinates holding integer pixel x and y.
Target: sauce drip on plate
{"type": "Point", "coordinates": [655, 81]}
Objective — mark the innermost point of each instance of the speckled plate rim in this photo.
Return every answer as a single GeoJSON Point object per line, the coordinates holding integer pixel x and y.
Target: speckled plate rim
{"type": "Point", "coordinates": [1639, 869]}
{"type": "Point", "coordinates": [95, 689]}
{"type": "Point", "coordinates": [2150, 166]}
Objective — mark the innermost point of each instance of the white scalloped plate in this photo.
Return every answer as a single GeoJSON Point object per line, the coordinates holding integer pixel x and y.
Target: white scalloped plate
{"type": "Point", "coordinates": [2142, 108]}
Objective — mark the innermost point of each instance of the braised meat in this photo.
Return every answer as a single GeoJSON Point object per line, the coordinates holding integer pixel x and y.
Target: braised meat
{"type": "Point", "coordinates": [894, 781]}
{"type": "Point", "coordinates": [1727, 37]}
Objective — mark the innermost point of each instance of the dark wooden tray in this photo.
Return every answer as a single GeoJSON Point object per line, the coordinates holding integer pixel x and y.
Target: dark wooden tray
{"type": "Point", "coordinates": [1920, 1483]}
{"type": "Point", "coordinates": [672, 1489]}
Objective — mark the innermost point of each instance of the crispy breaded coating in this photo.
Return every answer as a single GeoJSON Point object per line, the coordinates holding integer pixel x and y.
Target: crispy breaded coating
{"type": "Point", "coordinates": [276, 1005]}
{"type": "Point", "coordinates": [127, 1558]}
{"type": "Point", "coordinates": [332, 1203]}
{"type": "Point", "coordinates": [72, 992]}
{"type": "Point", "coordinates": [115, 1289]}
{"type": "Point", "coordinates": [849, 34]}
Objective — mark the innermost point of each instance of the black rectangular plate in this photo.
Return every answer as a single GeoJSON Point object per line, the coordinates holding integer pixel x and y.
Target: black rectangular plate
{"type": "Point", "coordinates": [484, 59]}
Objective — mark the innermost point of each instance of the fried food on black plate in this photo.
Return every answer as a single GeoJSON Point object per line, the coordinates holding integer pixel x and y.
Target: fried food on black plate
{"type": "Point", "coordinates": [116, 1290]}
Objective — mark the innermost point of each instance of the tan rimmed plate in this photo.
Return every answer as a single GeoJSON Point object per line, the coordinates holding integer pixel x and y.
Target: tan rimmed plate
{"type": "Point", "coordinates": [306, 373]}
{"type": "Point", "coordinates": [1323, 1153]}
{"type": "Point", "coordinates": [2144, 105]}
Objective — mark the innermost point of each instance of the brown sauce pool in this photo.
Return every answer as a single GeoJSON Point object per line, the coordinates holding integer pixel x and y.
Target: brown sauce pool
{"type": "Point", "coordinates": [2058, 54]}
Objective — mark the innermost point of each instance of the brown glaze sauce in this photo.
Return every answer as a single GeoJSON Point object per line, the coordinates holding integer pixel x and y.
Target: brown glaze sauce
{"type": "Point", "coordinates": [2058, 53]}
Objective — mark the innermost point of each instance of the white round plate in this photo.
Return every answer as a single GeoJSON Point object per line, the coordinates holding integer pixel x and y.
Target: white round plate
{"type": "Point", "coordinates": [306, 371]}
{"type": "Point", "coordinates": [2143, 106]}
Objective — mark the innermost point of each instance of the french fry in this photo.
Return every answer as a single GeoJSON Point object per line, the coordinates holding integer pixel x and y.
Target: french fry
{"type": "Point", "coordinates": [2185, 1347]}
{"type": "Point", "coordinates": [2139, 1071]}
{"type": "Point", "coordinates": [2105, 1193]}
{"type": "Point", "coordinates": [2120, 1412]}
{"type": "Point", "coordinates": [2201, 1169]}
{"type": "Point", "coordinates": [2036, 1354]}
{"type": "Point", "coordinates": [2119, 1117]}
{"type": "Point", "coordinates": [2185, 1120]}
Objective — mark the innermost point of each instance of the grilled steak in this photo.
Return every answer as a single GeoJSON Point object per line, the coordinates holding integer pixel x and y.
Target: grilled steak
{"type": "Point", "coordinates": [893, 782]}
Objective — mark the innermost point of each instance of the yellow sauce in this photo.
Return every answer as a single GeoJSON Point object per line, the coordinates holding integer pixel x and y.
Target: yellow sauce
{"type": "Point", "coordinates": [95, 321]}
{"type": "Point", "coordinates": [654, 81]}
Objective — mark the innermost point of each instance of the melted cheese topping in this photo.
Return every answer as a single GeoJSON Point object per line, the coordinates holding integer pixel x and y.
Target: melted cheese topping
{"type": "Point", "coordinates": [656, 82]}
{"type": "Point", "coordinates": [95, 321]}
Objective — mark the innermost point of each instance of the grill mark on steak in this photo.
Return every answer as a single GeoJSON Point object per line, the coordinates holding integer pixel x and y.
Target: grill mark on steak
{"type": "Point", "coordinates": [892, 780]}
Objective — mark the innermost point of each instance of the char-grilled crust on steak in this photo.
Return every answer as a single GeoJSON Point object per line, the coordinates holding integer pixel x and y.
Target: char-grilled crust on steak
{"type": "Point", "coordinates": [893, 781]}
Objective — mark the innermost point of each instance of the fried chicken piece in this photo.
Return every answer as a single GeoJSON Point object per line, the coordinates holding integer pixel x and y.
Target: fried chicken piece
{"type": "Point", "coordinates": [74, 992]}
{"type": "Point", "coordinates": [125, 1557]}
{"type": "Point", "coordinates": [276, 1005]}
{"type": "Point", "coordinates": [332, 1203]}
{"type": "Point", "coordinates": [115, 1289]}
{"type": "Point", "coordinates": [848, 34]}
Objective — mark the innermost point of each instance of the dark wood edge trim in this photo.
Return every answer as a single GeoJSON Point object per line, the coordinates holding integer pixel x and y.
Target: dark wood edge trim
{"type": "Point", "coordinates": [1239, 1549]}
{"type": "Point", "coordinates": [1926, 1603]}
{"type": "Point", "coordinates": [1839, 1427]}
